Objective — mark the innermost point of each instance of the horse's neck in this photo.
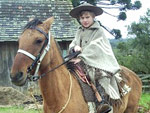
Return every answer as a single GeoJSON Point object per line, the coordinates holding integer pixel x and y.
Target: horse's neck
{"type": "Point", "coordinates": [55, 85]}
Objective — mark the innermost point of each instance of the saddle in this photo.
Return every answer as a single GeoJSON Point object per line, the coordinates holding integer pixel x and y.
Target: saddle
{"type": "Point", "coordinates": [90, 92]}
{"type": "Point", "coordinates": [88, 88]}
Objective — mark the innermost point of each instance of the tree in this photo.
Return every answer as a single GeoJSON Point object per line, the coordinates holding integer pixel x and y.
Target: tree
{"type": "Point", "coordinates": [135, 52]}
{"type": "Point", "coordinates": [124, 54]}
{"type": "Point", "coordinates": [121, 5]}
{"type": "Point", "coordinates": [141, 42]}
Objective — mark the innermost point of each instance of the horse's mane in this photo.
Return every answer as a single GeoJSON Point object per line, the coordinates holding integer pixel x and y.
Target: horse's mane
{"type": "Point", "coordinates": [59, 49]}
{"type": "Point", "coordinates": [32, 24]}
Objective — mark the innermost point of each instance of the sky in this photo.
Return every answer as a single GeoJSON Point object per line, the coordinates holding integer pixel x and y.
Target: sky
{"type": "Point", "coordinates": [132, 16]}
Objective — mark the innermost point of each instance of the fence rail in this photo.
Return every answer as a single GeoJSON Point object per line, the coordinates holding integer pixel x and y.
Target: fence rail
{"type": "Point", "coordinates": [146, 82]}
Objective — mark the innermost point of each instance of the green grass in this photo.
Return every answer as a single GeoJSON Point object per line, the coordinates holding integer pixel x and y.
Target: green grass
{"type": "Point", "coordinates": [144, 103]}
{"type": "Point", "coordinates": [144, 107]}
{"type": "Point", "coordinates": [17, 109]}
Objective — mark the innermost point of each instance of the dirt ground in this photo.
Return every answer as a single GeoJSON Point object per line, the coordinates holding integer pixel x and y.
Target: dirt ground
{"type": "Point", "coordinates": [10, 96]}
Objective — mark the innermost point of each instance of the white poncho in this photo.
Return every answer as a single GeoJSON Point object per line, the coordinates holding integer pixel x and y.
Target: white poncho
{"type": "Point", "coordinates": [96, 49]}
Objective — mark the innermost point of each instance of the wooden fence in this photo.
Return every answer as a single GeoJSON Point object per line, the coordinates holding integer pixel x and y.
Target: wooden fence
{"type": "Point", "coordinates": [146, 82]}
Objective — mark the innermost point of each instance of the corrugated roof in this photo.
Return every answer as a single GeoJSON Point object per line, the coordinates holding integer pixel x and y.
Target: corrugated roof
{"type": "Point", "coordinates": [14, 15]}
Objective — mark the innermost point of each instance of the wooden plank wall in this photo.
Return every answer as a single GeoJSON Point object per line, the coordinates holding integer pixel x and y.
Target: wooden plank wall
{"type": "Point", "coordinates": [7, 53]}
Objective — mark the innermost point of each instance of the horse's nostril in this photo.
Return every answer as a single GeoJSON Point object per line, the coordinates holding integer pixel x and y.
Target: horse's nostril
{"type": "Point", "coordinates": [18, 77]}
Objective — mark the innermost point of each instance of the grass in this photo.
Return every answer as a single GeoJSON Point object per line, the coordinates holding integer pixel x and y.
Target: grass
{"type": "Point", "coordinates": [17, 109]}
{"type": "Point", "coordinates": [144, 103]}
{"type": "Point", "coordinates": [144, 107]}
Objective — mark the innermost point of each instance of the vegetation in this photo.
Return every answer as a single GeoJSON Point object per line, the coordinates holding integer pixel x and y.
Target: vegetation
{"type": "Point", "coordinates": [17, 109]}
{"type": "Point", "coordinates": [144, 103]}
{"type": "Point", "coordinates": [122, 5]}
{"type": "Point", "coordinates": [144, 107]}
{"type": "Point", "coordinates": [135, 52]}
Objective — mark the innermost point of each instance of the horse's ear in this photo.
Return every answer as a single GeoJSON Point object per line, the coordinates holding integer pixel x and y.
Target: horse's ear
{"type": "Point", "coordinates": [47, 23]}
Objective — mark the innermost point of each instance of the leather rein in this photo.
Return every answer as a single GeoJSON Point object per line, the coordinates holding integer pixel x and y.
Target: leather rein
{"type": "Point", "coordinates": [38, 59]}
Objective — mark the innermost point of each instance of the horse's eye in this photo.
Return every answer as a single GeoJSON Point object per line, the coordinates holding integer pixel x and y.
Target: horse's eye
{"type": "Point", "coordinates": [39, 41]}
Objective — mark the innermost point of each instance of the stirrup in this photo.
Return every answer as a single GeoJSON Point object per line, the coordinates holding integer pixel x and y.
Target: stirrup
{"type": "Point", "coordinates": [99, 110]}
{"type": "Point", "coordinates": [105, 104]}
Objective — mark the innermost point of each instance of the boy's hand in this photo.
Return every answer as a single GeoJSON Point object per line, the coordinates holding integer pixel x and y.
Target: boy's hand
{"type": "Point", "coordinates": [77, 48]}
{"type": "Point", "coordinates": [75, 60]}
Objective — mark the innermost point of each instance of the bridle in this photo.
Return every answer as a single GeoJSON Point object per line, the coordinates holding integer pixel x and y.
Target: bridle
{"type": "Point", "coordinates": [37, 59]}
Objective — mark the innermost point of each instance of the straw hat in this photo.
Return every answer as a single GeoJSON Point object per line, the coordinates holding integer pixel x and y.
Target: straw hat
{"type": "Point", "coordinates": [85, 7]}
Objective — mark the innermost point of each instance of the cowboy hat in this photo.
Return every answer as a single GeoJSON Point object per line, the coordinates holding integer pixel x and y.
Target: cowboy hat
{"type": "Point", "coordinates": [85, 7]}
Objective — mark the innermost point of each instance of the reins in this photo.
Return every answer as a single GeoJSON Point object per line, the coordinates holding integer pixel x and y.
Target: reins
{"type": "Point", "coordinates": [67, 102]}
{"type": "Point", "coordinates": [37, 59]}
{"type": "Point", "coordinates": [70, 56]}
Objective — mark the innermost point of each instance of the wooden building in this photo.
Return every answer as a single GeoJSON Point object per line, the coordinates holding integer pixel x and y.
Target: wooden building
{"type": "Point", "coordinates": [14, 15]}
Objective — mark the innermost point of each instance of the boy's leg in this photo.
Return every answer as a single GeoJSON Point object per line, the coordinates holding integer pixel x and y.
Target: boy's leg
{"type": "Point", "coordinates": [92, 107]}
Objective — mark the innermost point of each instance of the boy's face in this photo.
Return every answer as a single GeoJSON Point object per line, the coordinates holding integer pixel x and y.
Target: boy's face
{"type": "Point", "coordinates": [86, 19]}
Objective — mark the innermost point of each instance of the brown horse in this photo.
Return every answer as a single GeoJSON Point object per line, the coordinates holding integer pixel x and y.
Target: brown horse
{"type": "Point", "coordinates": [60, 90]}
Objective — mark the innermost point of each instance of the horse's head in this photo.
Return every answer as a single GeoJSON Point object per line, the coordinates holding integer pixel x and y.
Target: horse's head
{"type": "Point", "coordinates": [32, 44]}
